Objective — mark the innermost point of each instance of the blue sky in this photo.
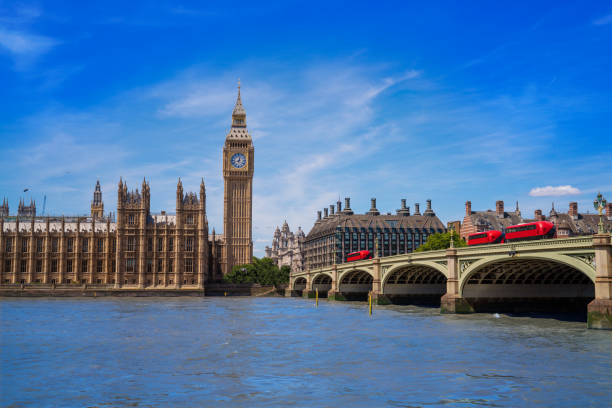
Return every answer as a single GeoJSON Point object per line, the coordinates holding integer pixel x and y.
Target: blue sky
{"type": "Point", "coordinates": [422, 100]}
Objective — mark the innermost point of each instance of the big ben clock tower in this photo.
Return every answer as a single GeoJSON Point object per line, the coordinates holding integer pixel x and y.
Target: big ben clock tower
{"type": "Point", "coordinates": [238, 161]}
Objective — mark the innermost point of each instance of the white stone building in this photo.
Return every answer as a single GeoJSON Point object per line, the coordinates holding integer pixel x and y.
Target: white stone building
{"type": "Point", "coordinates": [287, 248]}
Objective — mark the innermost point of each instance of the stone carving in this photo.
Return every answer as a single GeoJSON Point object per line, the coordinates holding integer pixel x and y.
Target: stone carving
{"type": "Point", "coordinates": [463, 265]}
{"type": "Point", "coordinates": [588, 259]}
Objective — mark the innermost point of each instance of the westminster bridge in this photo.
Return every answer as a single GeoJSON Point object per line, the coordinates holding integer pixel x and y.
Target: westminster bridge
{"type": "Point", "coordinates": [546, 275]}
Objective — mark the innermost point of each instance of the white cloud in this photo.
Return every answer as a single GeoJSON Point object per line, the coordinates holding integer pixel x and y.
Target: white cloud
{"type": "Point", "coordinates": [25, 44]}
{"type": "Point", "coordinates": [550, 191]}
{"type": "Point", "coordinates": [603, 20]}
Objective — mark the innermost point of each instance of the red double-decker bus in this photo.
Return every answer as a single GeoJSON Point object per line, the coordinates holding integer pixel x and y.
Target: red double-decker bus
{"type": "Point", "coordinates": [486, 237]}
{"type": "Point", "coordinates": [358, 256]}
{"type": "Point", "coordinates": [529, 231]}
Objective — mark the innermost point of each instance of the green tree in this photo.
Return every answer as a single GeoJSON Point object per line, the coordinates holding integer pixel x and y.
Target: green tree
{"type": "Point", "coordinates": [262, 270]}
{"type": "Point", "coordinates": [284, 272]}
{"type": "Point", "coordinates": [441, 241]}
{"type": "Point", "coordinates": [242, 274]}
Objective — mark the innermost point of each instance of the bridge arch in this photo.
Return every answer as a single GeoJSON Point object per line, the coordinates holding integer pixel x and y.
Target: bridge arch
{"type": "Point", "coordinates": [322, 282]}
{"type": "Point", "coordinates": [415, 283]}
{"type": "Point", "coordinates": [355, 284]}
{"type": "Point", "coordinates": [299, 283]}
{"type": "Point", "coordinates": [551, 282]}
{"type": "Point", "coordinates": [427, 264]}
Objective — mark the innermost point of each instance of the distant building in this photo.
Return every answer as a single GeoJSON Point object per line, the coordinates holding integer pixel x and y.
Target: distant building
{"type": "Point", "coordinates": [478, 221]}
{"type": "Point", "coordinates": [573, 223]}
{"type": "Point", "coordinates": [340, 232]}
{"type": "Point", "coordinates": [568, 224]}
{"type": "Point", "coordinates": [287, 248]}
{"type": "Point", "coordinates": [455, 225]}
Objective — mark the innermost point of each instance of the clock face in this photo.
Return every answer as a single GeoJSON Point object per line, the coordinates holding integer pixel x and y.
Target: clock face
{"type": "Point", "coordinates": [238, 160]}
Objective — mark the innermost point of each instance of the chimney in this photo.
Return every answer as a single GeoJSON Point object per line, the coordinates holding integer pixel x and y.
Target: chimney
{"type": "Point", "coordinates": [347, 206]}
{"type": "Point", "coordinates": [537, 214]}
{"type": "Point", "coordinates": [404, 211]}
{"type": "Point", "coordinates": [609, 211]}
{"type": "Point", "coordinates": [499, 208]}
{"type": "Point", "coordinates": [331, 209]}
{"type": "Point", "coordinates": [338, 207]}
{"type": "Point", "coordinates": [325, 212]}
{"type": "Point", "coordinates": [416, 209]}
{"type": "Point", "coordinates": [318, 215]}
{"type": "Point", "coordinates": [373, 209]}
{"type": "Point", "coordinates": [468, 208]}
{"type": "Point", "coordinates": [429, 211]}
{"type": "Point", "coordinates": [573, 210]}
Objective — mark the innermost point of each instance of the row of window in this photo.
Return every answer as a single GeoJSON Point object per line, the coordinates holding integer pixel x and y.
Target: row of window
{"type": "Point", "coordinates": [130, 265]}
{"type": "Point", "coordinates": [85, 247]}
{"type": "Point", "coordinates": [189, 219]}
{"type": "Point", "coordinates": [384, 236]}
{"type": "Point", "coordinates": [132, 244]}
{"type": "Point", "coordinates": [99, 281]}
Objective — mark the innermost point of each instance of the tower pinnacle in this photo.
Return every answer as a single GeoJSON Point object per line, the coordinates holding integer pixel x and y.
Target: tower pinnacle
{"type": "Point", "coordinates": [239, 114]}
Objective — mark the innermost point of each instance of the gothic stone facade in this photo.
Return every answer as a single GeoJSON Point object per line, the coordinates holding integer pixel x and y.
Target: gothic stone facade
{"type": "Point", "coordinates": [287, 248]}
{"type": "Point", "coordinates": [341, 232]}
{"type": "Point", "coordinates": [136, 248]}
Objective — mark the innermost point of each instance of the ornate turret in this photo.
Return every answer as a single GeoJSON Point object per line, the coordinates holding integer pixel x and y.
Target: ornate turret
{"type": "Point", "coordinates": [97, 205]}
{"type": "Point", "coordinates": [26, 210]}
{"type": "Point", "coordinates": [4, 209]}
{"type": "Point", "coordinates": [239, 114]}
{"type": "Point", "coordinates": [552, 213]}
{"type": "Point", "coordinates": [179, 194]}
{"type": "Point", "coordinates": [202, 195]}
{"type": "Point", "coordinates": [239, 128]}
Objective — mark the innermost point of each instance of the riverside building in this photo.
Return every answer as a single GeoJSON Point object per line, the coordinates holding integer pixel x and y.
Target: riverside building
{"type": "Point", "coordinates": [287, 248]}
{"type": "Point", "coordinates": [136, 248]}
{"type": "Point", "coordinates": [568, 224]}
{"type": "Point", "coordinates": [338, 232]}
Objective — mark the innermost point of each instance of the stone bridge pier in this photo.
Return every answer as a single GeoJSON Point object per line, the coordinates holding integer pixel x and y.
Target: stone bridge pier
{"type": "Point", "coordinates": [600, 309]}
{"type": "Point", "coordinates": [452, 301]}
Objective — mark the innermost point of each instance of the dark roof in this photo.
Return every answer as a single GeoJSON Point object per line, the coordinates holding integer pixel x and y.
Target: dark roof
{"type": "Point", "coordinates": [585, 224]}
{"type": "Point", "coordinates": [328, 225]}
{"type": "Point", "coordinates": [490, 221]}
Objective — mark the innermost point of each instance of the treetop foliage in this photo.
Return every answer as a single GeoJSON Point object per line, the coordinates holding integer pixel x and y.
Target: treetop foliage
{"type": "Point", "coordinates": [262, 271]}
{"type": "Point", "coordinates": [441, 241]}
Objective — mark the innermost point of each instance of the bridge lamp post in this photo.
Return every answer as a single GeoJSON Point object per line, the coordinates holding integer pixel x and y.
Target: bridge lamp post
{"type": "Point", "coordinates": [599, 204]}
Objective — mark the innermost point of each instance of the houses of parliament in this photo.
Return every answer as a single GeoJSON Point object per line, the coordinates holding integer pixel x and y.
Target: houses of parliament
{"type": "Point", "coordinates": [137, 249]}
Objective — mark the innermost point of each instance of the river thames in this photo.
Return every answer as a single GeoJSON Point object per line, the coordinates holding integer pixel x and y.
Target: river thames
{"type": "Point", "coordinates": [261, 352]}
